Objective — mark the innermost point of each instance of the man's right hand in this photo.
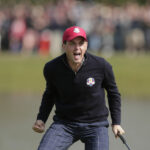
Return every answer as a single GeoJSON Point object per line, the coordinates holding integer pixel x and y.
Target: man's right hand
{"type": "Point", "coordinates": [39, 126]}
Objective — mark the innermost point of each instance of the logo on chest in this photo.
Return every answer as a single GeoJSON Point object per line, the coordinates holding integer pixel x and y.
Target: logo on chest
{"type": "Point", "coordinates": [90, 81]}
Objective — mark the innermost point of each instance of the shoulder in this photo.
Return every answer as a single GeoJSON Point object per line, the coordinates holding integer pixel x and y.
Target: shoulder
{"type": "Point", "coordinates": [52, 66]}
{"type": "Point", "coordinates": [97, 60]}
{"type": "Point", "coordinates": [54, 63]}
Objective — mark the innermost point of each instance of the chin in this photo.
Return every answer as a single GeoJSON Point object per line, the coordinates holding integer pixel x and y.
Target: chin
{"type": "Point", "coordinates": [77, 62]}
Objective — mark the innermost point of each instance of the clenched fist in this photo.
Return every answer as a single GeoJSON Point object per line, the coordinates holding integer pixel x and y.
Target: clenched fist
{"type": "Point", "coordinates": [39, 126]}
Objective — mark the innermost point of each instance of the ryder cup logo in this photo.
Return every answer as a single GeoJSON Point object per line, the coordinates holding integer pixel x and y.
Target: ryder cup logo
{"type": "Point", "coordinates": [90, 81]}
{"type": "Point", "coordinates": [76, 30]}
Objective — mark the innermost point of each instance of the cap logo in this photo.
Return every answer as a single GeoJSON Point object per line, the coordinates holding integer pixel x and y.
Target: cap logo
{"type": "Point", "coordinates": [90, 81]}
{"type": "Point", "coordinates": [76, 30]}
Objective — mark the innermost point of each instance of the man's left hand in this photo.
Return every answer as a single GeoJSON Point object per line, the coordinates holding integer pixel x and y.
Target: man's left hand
{"type": "Point", "coordinates": [117, 129]}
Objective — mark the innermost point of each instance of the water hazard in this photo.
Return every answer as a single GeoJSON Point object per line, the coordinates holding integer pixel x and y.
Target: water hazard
{"type": "Point", "coordinates": [18, 113]}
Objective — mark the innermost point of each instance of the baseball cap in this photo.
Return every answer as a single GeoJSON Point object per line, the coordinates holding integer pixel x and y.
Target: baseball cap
{"type": "Point", "coordinates": [73, 32]}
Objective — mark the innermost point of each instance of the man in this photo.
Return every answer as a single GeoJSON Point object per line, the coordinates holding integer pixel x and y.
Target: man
{"type": "Point", "coordinates": [75, 84]}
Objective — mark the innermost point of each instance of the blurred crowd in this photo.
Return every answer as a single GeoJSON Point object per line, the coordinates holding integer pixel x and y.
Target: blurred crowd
{"type": "Point", "coordinates": [38, 29]}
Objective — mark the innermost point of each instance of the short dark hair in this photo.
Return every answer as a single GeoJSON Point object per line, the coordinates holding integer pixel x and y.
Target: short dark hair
{"type": "Point", "coordinates": [64, 42]}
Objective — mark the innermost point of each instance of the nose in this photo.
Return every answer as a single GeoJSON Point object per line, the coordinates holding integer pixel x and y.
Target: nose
{"type": "Point", "coordinates": [77, 46]}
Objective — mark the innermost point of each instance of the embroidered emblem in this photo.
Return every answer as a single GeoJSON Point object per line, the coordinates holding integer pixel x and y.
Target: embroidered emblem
{"type": "Point", "coordinates": [76, 30]}
{"type": "Point", "coordinates": [90, 81]}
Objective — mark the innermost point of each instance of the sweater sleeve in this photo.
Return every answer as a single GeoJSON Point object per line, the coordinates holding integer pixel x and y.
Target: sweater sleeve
{"type": "Point", "coordinates": [114, 99]}
{"type": "Point", "coordinates": [47, 102]}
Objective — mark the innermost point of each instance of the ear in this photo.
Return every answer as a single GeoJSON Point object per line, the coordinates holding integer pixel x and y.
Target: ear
{"type": "Point", "coordinates": [63, 46]}
{"type": "Point", "coordinates": [86, 45]}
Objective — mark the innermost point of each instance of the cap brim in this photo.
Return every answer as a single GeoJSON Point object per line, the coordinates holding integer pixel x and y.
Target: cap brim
{"type": "Point", "coordinates": [73, 37]}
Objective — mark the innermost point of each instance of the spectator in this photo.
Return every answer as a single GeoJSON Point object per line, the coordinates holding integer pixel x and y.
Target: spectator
{"type": "Point", "coordinates": [107, 27]}
{"type": "Point", "coordinates": [44, 43]}
{"type": "Point", "coordinates": [30, 41]}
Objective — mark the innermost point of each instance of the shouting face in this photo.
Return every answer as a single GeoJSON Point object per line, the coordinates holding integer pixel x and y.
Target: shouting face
{"type": "Point", "coordinates": [75, 50]}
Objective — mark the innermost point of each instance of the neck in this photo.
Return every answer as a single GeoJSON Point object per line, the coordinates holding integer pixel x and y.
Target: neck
{"type": "Point", "coordinates": [75, 66]}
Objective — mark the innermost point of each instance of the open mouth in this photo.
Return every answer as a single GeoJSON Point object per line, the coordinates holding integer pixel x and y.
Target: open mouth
{"type": "Point", "coordinates": [77, 55]}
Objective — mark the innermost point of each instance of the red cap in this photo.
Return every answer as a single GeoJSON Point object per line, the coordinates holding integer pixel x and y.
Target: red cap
{"type": "Point", "coordinates": [73, 32]}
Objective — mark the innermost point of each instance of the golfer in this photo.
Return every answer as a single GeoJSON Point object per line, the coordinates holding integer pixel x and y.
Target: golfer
{"type": "Point", "coordinates": [75, 83]}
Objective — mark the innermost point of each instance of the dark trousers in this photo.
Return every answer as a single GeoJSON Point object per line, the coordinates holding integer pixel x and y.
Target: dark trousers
{"type": "Point", "coordinates": [61, 135]}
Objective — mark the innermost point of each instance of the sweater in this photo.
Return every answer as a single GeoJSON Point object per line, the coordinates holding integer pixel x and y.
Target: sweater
{"type": "Point", "coordinates": [80, 96]}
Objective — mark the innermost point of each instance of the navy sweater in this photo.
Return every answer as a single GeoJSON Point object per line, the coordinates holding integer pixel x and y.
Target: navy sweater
{"type": "Point", "coordinates": [80, 97]}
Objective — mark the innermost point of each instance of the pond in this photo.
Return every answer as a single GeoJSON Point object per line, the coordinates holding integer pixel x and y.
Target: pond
{"type": "Point", "coordinates": [18, 113]}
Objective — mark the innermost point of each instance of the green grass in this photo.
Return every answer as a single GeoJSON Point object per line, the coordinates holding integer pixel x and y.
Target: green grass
{"type": "Point", "coordinates": [22, 74]}
{"type": "Point", "coordinates": [132, 75]}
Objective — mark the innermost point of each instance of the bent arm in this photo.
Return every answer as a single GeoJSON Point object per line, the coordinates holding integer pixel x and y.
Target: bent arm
{"type": "Point", "coordinates": [44, 111]}
{"type": "Point", "coordinates": [46, 105]}
{"type": "Point", "coordinates": [48, 96]}
{"type": "Point", "coordinates": [114, 99]}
